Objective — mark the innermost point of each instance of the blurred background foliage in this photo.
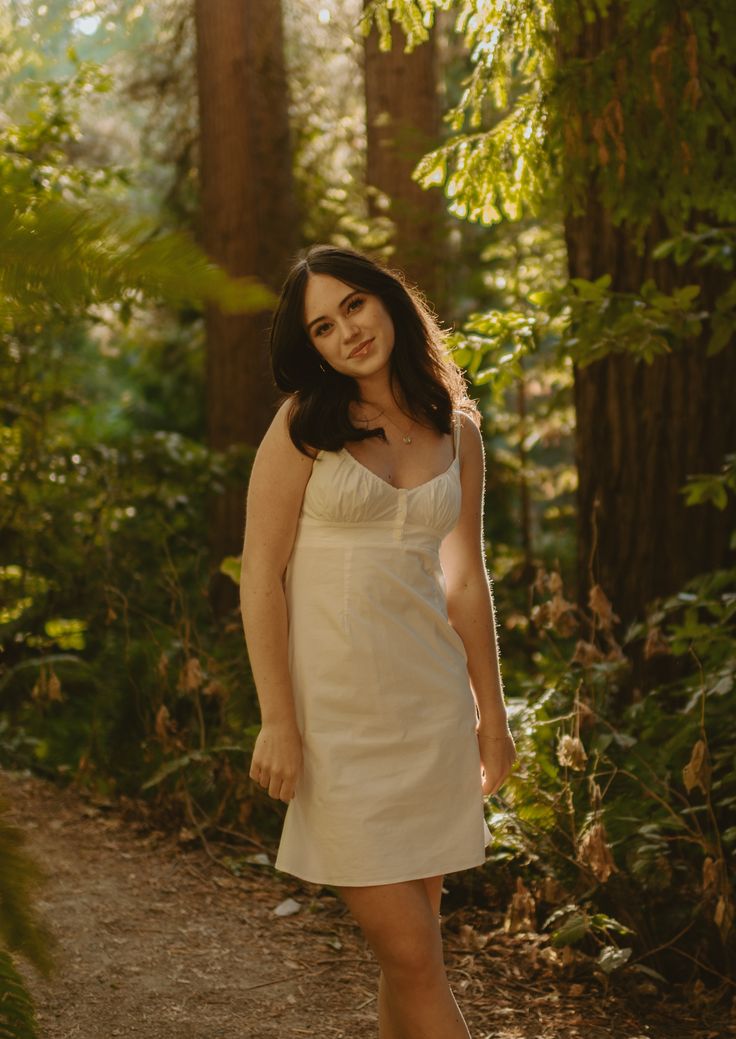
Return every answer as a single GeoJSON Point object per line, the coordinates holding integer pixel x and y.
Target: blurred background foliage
{"type": "Point", "coordinates": [122, 673]}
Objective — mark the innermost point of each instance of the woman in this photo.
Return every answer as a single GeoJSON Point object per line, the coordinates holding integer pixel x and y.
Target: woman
{"type": "Point", "coordinates": [369, 619]}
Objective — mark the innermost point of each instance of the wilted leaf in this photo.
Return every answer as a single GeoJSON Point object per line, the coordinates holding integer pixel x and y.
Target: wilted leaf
{"type": "Point", "coordinates": [656, 644]}
{"type": "Point", "coordinates": [521, 913]}
{"type": "Point", "coordinates": [190, 676]}
{"type": "Point", "coordinates": [471, 939]}
{"type": "Point", "coordinates": [697, 771]}
{"type": "Point", "coordinates": [586, 653]}
{"type": "Point", "coordinates": [601, 606]}
{"type": "Point", "coordinates": [53, 687]}
{"type": "Point", "coordinates": [711, 876]}
{"type": "Point", "coordinates": [162, 722]}
{"type": "Point", "coordinates": [594, 852]}
{"type": "Point", "coordinates": [571, 752]}
{"type": "Point", "coordinates": [723, 916]}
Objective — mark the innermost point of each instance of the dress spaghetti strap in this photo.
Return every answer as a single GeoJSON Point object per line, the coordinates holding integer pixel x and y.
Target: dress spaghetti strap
{"type": "Point", "coordinates": [457, 429]}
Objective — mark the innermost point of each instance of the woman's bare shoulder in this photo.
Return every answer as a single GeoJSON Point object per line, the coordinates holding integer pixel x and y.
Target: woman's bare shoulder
{"type": "Point", "coordinates": [277, 439]}
{"type": "Point", "coordinates": [471, 438]}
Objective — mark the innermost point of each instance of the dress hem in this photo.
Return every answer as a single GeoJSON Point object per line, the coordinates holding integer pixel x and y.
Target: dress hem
{"type": "Point", "coordinates": [414, 875]}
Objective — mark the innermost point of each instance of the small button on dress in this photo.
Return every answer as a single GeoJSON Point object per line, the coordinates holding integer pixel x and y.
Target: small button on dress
{"type": "Point", "coordinates": [391, 787]}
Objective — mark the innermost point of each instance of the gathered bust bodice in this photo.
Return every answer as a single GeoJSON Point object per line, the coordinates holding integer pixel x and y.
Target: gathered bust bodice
{"type": "Point", "coordinates": [341, 490]}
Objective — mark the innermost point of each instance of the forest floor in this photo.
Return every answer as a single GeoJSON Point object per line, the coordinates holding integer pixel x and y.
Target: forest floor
{"type": "Point", "coordinates": [155, 940]}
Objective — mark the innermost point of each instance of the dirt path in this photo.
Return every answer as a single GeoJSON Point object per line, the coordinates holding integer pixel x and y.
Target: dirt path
{"type": "Point", "coordinates": [160, 943]}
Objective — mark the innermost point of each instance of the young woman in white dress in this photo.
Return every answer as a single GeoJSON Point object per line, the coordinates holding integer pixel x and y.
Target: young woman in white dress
{"type": "Point", "coordinates": [355, 473]}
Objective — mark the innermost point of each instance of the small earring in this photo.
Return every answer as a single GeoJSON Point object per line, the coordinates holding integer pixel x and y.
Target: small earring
{"type": "Point", "coordinates": [322, 368]}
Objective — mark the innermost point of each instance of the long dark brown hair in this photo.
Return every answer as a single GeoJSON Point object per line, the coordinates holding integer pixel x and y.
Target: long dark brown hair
{"type": "Point", "coordinates": [432, 384]}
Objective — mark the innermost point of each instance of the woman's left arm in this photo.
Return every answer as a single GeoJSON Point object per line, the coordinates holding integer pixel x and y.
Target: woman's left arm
{"type": "Point", "coordinates": [471, 612]}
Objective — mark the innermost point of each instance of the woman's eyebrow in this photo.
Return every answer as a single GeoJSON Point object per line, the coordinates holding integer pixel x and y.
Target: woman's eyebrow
{"type": "Point", "coordinates": [340, 304]}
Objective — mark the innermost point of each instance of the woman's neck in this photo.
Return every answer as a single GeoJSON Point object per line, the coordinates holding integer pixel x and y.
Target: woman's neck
{"type": "Point", "coordinates": [378, 395]}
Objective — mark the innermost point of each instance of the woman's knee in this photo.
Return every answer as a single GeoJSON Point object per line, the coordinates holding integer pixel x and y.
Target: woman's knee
{"type": "Point", "coordinates": [400, 925]}
{"type": "Point", "coordinates": [411, 956]}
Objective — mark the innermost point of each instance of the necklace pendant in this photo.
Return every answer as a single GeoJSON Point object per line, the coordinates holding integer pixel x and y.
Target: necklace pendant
{"type": "Point", "coordinates": [407, 439]}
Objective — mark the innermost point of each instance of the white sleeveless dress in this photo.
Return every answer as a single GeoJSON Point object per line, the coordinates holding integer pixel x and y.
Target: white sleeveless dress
{"type": "Point", "coordinates": [391, 786]}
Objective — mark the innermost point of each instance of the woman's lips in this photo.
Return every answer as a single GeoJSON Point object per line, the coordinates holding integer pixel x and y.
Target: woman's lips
{"type": "Point", "coordinates": [361, 350]}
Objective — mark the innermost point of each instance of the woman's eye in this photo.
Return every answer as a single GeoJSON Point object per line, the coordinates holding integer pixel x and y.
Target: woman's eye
{"type": "Point", "coordinates": [356, 302]}
{"type": "Point", "coordinates": [320, 329]}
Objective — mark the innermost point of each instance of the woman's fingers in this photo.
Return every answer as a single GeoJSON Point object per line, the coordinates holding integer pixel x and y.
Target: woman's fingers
{"type": "Point", "coordinates": [503, 757]}
{"type": "Point", "coordinates": [278, 787]}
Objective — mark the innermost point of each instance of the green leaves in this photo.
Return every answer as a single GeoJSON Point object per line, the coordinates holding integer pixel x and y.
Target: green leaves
{"type": "Point", "coordinates": [17, 1015]}
{"type": "Point", "coordinates": [21, 931]}
{"type": "Point", "coordinates": [71, 256]}
{"type": "Point", "coordinates": [712, 487]}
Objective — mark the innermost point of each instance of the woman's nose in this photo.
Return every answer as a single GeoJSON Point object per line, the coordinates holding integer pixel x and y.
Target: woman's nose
{"type": "Point", "coordinates": [350, 328]}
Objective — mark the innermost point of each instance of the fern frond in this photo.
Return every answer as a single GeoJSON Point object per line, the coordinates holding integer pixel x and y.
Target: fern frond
{"type": "Point", "coordinates": [21, 930]}
{"type": "Point", "coordinates": [17, 1014]}
{"type": "Point", "coordinates": [72, 255]}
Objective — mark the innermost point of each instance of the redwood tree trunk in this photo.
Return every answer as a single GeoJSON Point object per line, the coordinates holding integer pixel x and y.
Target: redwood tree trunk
{"type": "Point", "coordinates": [403, 123]}
{"type": "Point", "coordinates": [247, 219]}
{"type": "Point", "coordinates": [642, 430]}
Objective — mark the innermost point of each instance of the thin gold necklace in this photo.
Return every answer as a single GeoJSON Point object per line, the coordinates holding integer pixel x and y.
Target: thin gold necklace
{"type": "Point", "coordinates": [404, 436]}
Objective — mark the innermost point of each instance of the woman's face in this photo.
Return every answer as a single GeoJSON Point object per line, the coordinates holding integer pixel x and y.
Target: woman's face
{"type": "Point", "coordinates": [350, 329]}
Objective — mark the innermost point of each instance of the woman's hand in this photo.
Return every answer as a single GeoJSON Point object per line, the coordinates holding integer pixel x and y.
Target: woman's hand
{"type": "Point", "coordinates": [497, 755]}
{"type": "Point", "coordinates": [277, 759]}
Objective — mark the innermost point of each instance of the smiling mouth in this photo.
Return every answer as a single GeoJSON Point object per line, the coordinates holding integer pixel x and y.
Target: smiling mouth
{"type": "Point", "coordinates": [361, 348]}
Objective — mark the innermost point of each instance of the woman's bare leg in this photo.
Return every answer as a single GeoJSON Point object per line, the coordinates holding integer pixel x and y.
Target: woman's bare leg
{"type": "Point", "coordinates": [401, 923]}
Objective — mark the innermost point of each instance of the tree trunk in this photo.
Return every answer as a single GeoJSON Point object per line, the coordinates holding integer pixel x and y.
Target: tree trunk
{"type": "Point", "coordinates": [247, 219]}
{"type": "Point", "coordinates": [643, 429]}
{"type": "Point", "coordinates": [403, 123]}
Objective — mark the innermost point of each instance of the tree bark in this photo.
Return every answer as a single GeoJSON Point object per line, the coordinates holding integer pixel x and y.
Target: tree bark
{"type": "Point", "coordinates": [402, 124]}
{"type": "Point", "coordinates": [248, 223]}
{"type": "Point", "coordinates": [643, 429]}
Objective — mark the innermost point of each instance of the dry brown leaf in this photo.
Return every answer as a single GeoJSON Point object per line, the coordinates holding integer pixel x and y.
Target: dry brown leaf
{"type": "Point", "coordinates": [190, 676]}
{"type": "Point", "coordinates": [162, 722]}
{"type": "Point", "coordinates": [215, 688]}
{"type": "Point", "coordinates": [540, 581]}
{"type": "Point", "coordinates": [656, 644]}
{"type": "Point", "coordinates": [471, 939]}
{"type": "Point", "coordinates": [723, 916]}
{"type": "Point", "coordinates": [521, 913]}
{"type": "Point", "coordinates": [697, 771]}
{"type": "Point", "coordinates": [711, 876]}
{"type": "Point", "coordinates": [594, 851]}
{"type": "Point", "coordinates": [555, 583]}
{"type": "Point", "coordinates": [571, 752]}
{"type": "Point", "coordinates": [601, 606]}
{"type": "Point", "coordinates": [550, 890]}
{"type": "Point", "coordinates": [53, 687]}
{"type": "Point", "coordinates": [558, 605]}
{"type": "Point", "coordinates": [586, 653]}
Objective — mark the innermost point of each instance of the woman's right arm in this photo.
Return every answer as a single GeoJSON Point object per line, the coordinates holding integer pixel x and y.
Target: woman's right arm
{"type": "Point", "coordinates": [275, 491]}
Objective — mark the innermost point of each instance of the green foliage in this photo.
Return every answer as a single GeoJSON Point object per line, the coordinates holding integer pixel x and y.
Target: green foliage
{"type": "Point", "coordinates": [651, 115]}
{"type": "Point", "coordinates": [103, 508]}
{"type": "Point", "coordinates": [627, 807]}
{"type": "Point", "coordinates": [20, 929]}
{"type": "Point", "coordinates": [17, 1016]}
{"type": "Point", "coordinates": [21, 932]}
{"type": "Point", "coordinates": [327, 125]}
{"type": "Point", "coordinates": [712, 487]}
{"type": "Point", "coordinates": [68, 241]}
